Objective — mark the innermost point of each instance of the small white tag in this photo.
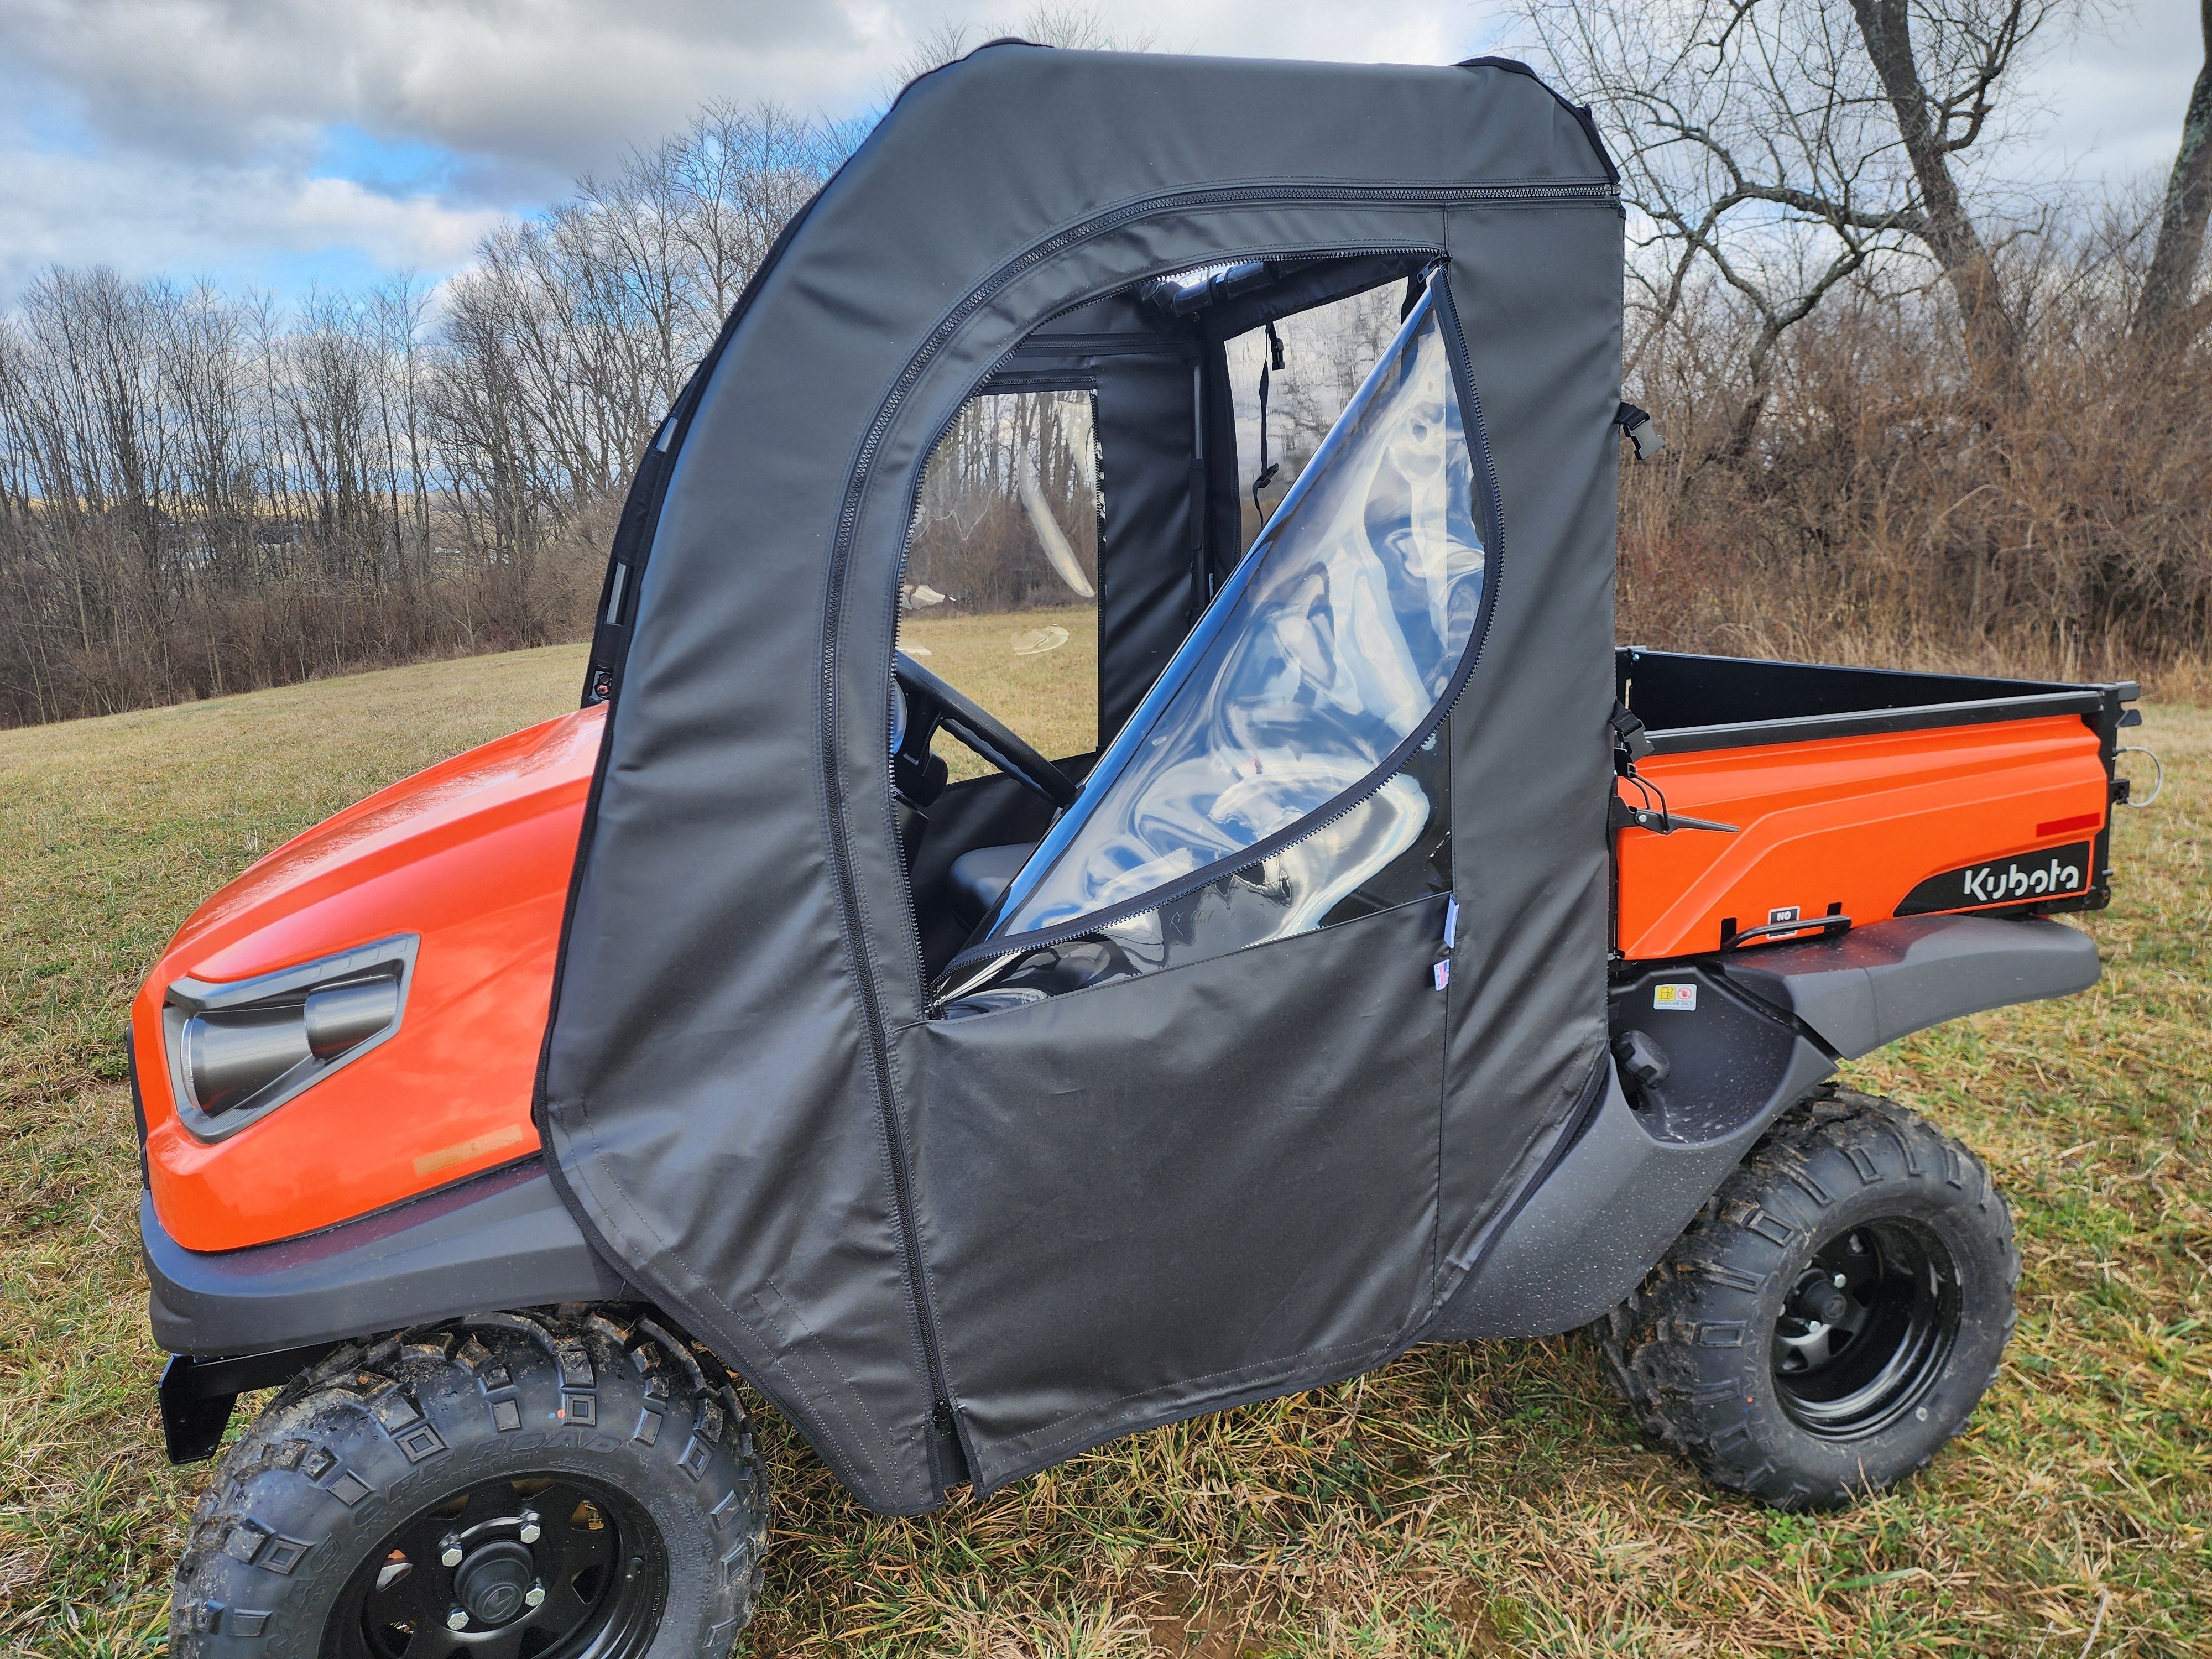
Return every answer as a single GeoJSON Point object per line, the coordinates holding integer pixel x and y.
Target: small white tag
{"type": "Point", "coordinates": [1451, 922]}
{"type": "Point", "coordinates": [1682, 999]}
{"type": "Point", "coordinates": [1442, 971]}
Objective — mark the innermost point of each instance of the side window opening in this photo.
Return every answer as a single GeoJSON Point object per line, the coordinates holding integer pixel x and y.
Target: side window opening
{"type": "Point", "coordinates": [1289, 748]}
{"type": "Point", "coordinates": [1000, 593]}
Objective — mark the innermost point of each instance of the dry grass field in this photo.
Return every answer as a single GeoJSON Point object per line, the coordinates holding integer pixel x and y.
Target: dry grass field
{"type": "Point", "coordinates": [1018, 667]}
{"type": "Point", "coordinates": [1465, 1500]}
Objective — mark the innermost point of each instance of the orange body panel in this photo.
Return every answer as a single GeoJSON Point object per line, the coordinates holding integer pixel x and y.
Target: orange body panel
{"type": "Point", "coordinates": [473, 856]}
{"type": "Point", "coordinates": [1856, 821]}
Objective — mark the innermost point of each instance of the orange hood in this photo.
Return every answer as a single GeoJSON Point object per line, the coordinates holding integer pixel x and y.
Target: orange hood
{"type": "Point", "coordinates": [472, 856]}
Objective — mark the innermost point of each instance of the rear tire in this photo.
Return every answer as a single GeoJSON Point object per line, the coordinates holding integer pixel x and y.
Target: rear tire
{"type": "Point", "coordinates": [581, 1484]}
{"type": "Point", "coordinates": [1833, 1314]}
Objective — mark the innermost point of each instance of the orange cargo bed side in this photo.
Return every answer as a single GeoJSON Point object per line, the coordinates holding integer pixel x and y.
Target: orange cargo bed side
{"type": "Point", "coordinates": [1854, 825]}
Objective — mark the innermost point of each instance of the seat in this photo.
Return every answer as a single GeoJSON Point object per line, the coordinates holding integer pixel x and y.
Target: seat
{"type": "Point", "coordinates": [980, 875]}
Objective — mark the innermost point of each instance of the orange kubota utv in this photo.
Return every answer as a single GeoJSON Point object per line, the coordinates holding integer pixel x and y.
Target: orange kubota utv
{"type": "Point", "coordinates": [1404, 964]}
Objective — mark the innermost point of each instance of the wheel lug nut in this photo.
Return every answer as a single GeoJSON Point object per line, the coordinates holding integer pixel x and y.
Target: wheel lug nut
{"type": "Point", "coordinates": [457, 1619]}
{"type": "Point", "coordinates": [1839, 1281]}
{"type": "Point", "coordinates": [449, 1551]}
{"type": "Point", "coordinates": [534, 1596]}
{"type": "Point", "coordinates": [530, 1531]}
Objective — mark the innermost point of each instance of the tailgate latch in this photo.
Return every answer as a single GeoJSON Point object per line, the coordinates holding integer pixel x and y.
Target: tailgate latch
{"type": "Point", "coordinates": [1630, 744]}
{"type": "Point", "coordinates": [1658, 819]}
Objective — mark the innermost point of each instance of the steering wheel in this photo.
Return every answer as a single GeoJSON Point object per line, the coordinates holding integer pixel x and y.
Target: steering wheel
{"type": "Point", "coordinates": [929, 703]}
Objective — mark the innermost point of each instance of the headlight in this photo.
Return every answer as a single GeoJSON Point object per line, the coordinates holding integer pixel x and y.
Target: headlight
{"type": "Point", "coordinates": [238, 1051]}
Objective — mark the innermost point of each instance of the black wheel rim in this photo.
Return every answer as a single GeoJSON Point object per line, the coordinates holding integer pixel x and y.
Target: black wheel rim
{"type": "Point", "coordinates": [533, 1566]}
{"type": "Point", "coordinates": [1866, 1330]}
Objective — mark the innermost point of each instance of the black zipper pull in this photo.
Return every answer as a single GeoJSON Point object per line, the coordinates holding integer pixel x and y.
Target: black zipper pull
{"type": "Point", "coordinates": [953, 1456]}
{"type": "Point", "coordinates": [1267, 469]}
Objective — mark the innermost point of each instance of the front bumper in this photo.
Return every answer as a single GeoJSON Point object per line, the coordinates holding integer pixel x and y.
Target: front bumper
{"type": "Point", "coordinates": [236, 1320]}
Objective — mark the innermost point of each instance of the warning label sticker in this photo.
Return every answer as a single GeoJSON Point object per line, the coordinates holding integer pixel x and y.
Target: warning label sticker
{"type": "Point", "coordinates": [1683, 999]}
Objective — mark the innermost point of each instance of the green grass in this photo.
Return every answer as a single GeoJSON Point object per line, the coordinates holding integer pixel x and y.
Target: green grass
{"type": "Point", "coordinates": [1465, 1500]}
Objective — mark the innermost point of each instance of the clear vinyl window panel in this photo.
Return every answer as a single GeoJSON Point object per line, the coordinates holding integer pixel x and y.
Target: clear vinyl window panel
{"type": "Point", "coordinates": [1340, 634]}
{"type": "Point", "coordinates": [1393, 847]}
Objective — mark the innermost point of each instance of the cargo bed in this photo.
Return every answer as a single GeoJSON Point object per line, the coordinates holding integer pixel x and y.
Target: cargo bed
{"type": "Point", "coordinates": [1854, 795]}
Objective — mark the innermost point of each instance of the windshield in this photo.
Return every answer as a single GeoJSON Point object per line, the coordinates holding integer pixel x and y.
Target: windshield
{"type": "Point", "coordinates": [1341, 632]}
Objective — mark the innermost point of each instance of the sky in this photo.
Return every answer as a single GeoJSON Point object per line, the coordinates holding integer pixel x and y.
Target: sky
{"type": "Point", "coordinates": [280, 144]}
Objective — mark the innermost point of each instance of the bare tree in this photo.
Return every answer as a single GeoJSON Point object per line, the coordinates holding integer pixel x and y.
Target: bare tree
{"type": "Point", "coordinates": [199, 493]}
{"type": "Point", "coordinates": [736, 178]}
{"type": "Point", "coordinates": [2188, 203]}
{"type": "Point", "coordinates": [203, 494]}
{"type": "Point", "coordinates": [1793, 147]}
{"type": "Point", "coordinates": [1941, 62]}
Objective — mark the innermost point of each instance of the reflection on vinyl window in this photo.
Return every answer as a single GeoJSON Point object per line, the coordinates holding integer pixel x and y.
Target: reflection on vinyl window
{"type": "Point", "coordinates": [1340, 633]}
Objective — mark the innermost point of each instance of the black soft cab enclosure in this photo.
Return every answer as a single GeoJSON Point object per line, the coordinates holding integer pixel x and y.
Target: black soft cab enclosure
{"type": "Point", "coordinates": [978, 1125]}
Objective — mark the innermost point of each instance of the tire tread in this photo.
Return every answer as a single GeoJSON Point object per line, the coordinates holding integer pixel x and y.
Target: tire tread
{"type": "Point", "coordinates": [274, 1482]}
{"type": "Point", "coordinates": [1651, 1343]}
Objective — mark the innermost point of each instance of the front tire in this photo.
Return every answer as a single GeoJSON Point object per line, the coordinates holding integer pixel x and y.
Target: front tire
{"type": "Point", "coordinates": [572, 1486]}
{"type": "Point", "coordinates": [1833, 1314]}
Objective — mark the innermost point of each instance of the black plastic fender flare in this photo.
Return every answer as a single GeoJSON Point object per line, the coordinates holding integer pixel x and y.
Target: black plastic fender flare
{"type": "Point", "coordinates": [1874, 985]}
{"type": "Point", "coordinates": [1625, 1188]}
{"type": "Point", "coordinates": [502, 1239]}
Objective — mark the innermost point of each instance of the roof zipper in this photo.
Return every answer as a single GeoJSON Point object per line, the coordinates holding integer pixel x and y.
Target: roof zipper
{"type": "Point", "coordinates": [848, 883]}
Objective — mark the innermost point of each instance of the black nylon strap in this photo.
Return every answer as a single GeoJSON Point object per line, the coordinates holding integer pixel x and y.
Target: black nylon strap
{"type": "Point", "coordinates": [1267, 469]}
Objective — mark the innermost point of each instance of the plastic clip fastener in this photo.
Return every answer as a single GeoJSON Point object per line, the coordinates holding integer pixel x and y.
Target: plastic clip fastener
{"type": "Point", "coordinates": [1637, 424]}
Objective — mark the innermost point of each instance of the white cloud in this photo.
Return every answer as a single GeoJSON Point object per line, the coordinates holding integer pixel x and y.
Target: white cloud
{"type": "Point", "coordinates": [546, 80]}
{"type": "Point", "coordinates": [566, 83]}
{"type": "Point", "coordinates": [147, 217]}
{"type": "Point", "coordinates": [2114, 96]}
{"type": "Point", "coordinates": [185, 135]}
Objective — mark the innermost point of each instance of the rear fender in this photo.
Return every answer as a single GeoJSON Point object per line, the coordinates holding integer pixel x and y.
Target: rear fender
{"type": "Point", "coordinates": [1635, 1174]}
{"type": "Point", "coordinates": [1874, 985]}
{"type": "Point", "coordinates": [1747, 1036]}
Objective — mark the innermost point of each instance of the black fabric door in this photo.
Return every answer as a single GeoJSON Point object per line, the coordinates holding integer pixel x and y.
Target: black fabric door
{"type": "Point", "coordinates": [1169, 1194]}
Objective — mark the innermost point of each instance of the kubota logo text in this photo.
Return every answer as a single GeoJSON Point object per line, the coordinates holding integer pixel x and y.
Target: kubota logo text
{"type": "Point", "coordinates": [1988, 883]}
{"type": "Point", "coordinates": [2053, 875]}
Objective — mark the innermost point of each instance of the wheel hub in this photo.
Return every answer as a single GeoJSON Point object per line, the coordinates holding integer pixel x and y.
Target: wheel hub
{"type": "Point", "coordinates": [492, 1583]}
{"type": "Point", "coordinates": [514, 1567]}
{"type": "Point", "coordinates": [1866, 1330]}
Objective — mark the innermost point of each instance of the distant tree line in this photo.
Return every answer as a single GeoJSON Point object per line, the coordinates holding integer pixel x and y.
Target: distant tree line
{"type": "Point", "coordinates": [1914, 414]}
{"type": "Point", "coordinates": [1013, 470]}
{"type": "Point", "coordinates": [202, 494]}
